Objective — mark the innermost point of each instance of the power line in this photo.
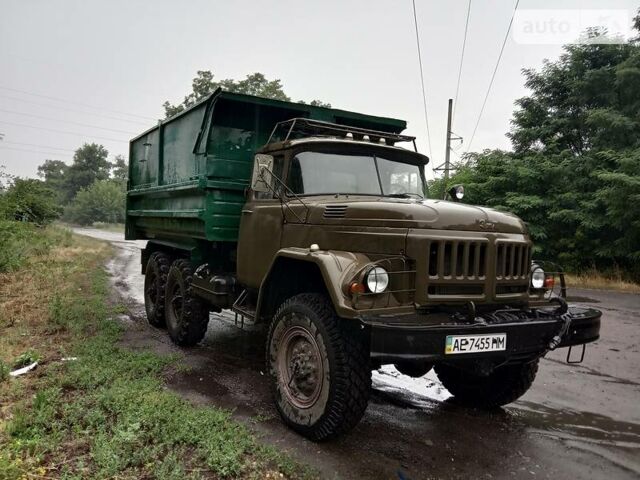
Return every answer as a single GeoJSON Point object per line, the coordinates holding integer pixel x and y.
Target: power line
{"type": "Point", "coordinates": [39, 146]}
{"type": "Point", "coordinates": [70, 122]}
{"type": "Point", "coordinates": [73, 110]}
{"type": "Point", "coordinates": [484, 103]}
{"type": "Point", "coordinates": [464, 44]}
{"type": "Point", "coordinates": [31, 151]}
{"type": "Point", "coordinates": [424, 93]}
{"type": "Point", "coordinates": [76, 103]}
{"type": "Point", "coordinates": [66, 132]}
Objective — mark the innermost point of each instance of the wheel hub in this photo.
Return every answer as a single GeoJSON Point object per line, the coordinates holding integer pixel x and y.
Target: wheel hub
{"type": "Point", "coordinates": [301, 368]}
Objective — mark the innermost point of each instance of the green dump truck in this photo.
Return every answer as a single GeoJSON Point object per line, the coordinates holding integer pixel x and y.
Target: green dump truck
{"type": "Point", "coordinates": [314, 221]}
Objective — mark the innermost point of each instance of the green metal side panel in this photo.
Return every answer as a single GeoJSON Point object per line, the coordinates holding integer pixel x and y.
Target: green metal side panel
{"type": "Point", "coordinates": [187, 176]}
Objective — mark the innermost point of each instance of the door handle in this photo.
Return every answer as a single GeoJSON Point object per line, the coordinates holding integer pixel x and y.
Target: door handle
{"type": "Point", "coordinates": [247, 211]}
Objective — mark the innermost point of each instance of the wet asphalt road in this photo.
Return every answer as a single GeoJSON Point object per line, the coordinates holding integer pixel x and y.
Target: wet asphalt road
{"type": "Point", "coordinates": [577, 421]}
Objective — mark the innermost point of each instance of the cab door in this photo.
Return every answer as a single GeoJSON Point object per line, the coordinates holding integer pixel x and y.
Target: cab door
{"type": "Point", "coordinates": [261, 225]}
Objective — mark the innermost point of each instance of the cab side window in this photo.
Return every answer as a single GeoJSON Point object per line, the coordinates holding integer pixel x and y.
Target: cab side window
{"type": "Point", "coordinates": [278, 170]}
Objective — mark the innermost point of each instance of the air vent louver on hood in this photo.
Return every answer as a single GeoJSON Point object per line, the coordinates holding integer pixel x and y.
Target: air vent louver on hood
{"type": "Point", "coordinates": [334, 211]}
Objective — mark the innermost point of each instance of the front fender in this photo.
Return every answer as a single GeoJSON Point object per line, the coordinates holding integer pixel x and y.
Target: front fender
{"type": "Point", "coordinates": [336, 268]}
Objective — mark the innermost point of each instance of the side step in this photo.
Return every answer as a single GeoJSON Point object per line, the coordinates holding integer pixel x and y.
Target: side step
{"type": "Point", "coordinates": [243, 310]}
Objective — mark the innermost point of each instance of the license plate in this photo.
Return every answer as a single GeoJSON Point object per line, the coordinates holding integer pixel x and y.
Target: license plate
{"type": "Point", "coordinates": [495, 342]}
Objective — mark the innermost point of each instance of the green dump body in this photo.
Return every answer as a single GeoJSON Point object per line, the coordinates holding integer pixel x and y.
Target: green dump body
{"type": "Point", "coordinates": [188, 175]}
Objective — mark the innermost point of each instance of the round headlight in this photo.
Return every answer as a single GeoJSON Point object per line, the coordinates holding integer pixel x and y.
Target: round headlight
{"type": "Point", "coordinates": [456, 192]}
{"type": "Point", "coordinates": [537, 277]}
{"type": "Point", "coordinates": [377, 280]}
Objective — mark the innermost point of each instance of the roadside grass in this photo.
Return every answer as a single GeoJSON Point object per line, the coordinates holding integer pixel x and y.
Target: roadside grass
{"type": "Point", "coordinates": [103, 411]}
{"type": "Point", "coordinates": [599, 281]}
{"type": "Point", "coordinates": [21, 240]}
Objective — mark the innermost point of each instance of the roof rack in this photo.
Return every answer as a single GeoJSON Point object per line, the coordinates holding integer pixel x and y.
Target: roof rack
{"type": "Point", "coordinates": [304, 127]}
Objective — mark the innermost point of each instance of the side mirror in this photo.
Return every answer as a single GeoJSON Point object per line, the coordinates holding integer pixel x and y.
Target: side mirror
{"type": "Point", "coordinates": [262, 167]}
{"type": "Point", "coordinates": [456, 193]}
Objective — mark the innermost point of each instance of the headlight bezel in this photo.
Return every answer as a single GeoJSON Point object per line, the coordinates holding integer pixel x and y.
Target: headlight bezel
{"type": "Point", "coordinates": [537, 278]}
{"type": "Point", "coordinates": [380, 281]}
{"type": "Point", "coordinates": [456, 193]}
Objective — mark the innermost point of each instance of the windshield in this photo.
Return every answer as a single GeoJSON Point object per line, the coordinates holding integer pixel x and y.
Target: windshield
{"type": "Point", "coordinates": [314, 173]}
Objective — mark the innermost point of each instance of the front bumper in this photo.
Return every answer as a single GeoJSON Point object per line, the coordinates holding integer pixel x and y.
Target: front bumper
{"type": "Point", "coordinates": [527, 338]}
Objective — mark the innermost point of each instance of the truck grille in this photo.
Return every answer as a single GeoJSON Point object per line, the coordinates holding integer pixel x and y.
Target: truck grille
{"type": "Point", "coordinates": [512, 260]}
{"type": "Point", "coordinates": [460, 259]}
{"type": "Point", "coordinates": [459, 268]}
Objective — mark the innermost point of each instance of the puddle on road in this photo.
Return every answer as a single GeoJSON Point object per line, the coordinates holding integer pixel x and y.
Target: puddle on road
{"type": "Point", "coordinates": [616, 441]}
{"type": "Point", "coordinates": [572, 425]}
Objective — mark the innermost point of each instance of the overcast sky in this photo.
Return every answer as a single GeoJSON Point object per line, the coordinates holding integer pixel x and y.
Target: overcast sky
{"type": "Point", "coordinates": [124, 58]}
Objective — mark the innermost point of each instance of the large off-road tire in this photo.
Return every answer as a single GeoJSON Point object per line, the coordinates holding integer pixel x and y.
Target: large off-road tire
{"type": "Point", "coordinates": [155, 285]}
{"type": "Point", "coordinates": [187, 316]}
{"type": "Point", "coordinates": [504, 385]}
{"type": "Point", "coordinates": [319, 366]}
{"type": "Point", "coordinates": [414, 369]}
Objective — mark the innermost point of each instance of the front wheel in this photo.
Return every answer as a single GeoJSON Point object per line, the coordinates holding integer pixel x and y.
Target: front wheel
{"type": "Point", "coordinates": [319, 366]}
{"type": "Point", "coordinates": [503, 385]}
{"type": "Point", "coordinates": [186, 315]}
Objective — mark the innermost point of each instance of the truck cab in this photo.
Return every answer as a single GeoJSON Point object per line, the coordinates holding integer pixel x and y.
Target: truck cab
{"type": "Point", "coordinates": [348, 265]}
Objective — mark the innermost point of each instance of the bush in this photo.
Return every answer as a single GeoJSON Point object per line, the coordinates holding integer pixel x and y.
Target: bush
{"type": "Point", "coordinates": [29, 200]}
{"type": "Point", "coordinates": [103, 201]}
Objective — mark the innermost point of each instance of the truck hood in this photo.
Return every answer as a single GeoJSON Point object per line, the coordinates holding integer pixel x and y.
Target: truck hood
{"type": "Point", "coordinates": [410, 213]}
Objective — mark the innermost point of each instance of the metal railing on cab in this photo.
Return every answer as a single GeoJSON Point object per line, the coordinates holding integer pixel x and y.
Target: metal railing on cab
{"type": "Point", "coordinates": [304, 127]}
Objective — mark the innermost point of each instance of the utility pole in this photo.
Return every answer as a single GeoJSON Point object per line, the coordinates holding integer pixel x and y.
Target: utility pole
{"type": "Point", "coordinates": [447, 153]}
{"type": "Point", "coordinates": [446, 166]}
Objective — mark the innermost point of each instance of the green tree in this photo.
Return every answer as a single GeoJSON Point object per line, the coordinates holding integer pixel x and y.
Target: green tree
{"type": "Point", "coordinates": [120, 169]}
{"type": "Point", "coordinates": [89, 164]}
{"type": "Point", "coordinates": [588, 99]}
{"type": "Point", "coordinates": [103, 201]}
{"type": "Point", "coordinates": [253, 84]}
{"type": "Point", "coordinates": [574, 174]}
{"type": "Point", "coordinates": [53, 173]}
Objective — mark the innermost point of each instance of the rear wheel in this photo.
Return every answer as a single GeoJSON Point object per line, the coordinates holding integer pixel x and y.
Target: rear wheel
{"type": "Point", "coordinates": [319, 366]}
{"type": "Point", "coordinates": [155, 284]}
{"type": "Point", "coordinates": [503, 385]}
{"type": "Point", "coordinates": [187, 316]}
